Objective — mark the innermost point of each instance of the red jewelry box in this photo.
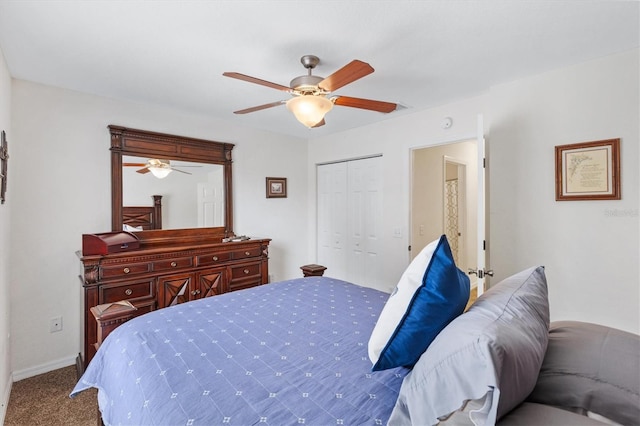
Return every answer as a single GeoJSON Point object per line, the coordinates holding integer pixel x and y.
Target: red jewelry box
{"type": "Point", "coordinates": [109, 242]}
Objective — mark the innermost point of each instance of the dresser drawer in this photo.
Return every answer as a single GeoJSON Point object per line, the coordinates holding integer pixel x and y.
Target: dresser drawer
{"type": "Point", "coordinates": [107, 272]}
{"type": "Point", "coordinates": [242, 283]}
{"type": "Point", "coordinates": [114, 292]}
{"type": "Point", "coordinates": [245, 271]}
{"type": "Point", "coordinates": [214, 258]}
{"type": "Point", "coordinates": [164, 265]}
{"type": "Point", "coordinates": [247, 252]}
{"type": "Point", "coordinates": [245, 275]}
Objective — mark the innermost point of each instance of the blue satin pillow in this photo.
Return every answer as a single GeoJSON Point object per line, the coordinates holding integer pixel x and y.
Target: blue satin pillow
{"type": "Point", "coordinates": [436, 301]}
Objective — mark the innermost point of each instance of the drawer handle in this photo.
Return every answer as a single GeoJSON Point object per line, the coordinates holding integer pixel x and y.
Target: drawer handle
{"type": "Point", "coordinates": [248, 253]}
{"type": "Point", "coordinates": [128, 292]}
{"type": "Point", "coordinates": [174, 264]}
{"type": "Point", "coordinates": [195, 292]}
{"type": "Point", "coordinates": [126, 270]}
{"type": "Point", "coordinates": [246, 271]}
{"type": "Point", "coordinates": [215, 258]}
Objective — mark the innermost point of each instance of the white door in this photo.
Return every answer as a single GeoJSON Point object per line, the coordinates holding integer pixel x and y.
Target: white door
{"type": "Point", "coordinates": [210, 200]}
{"type": "Point", "coordinates": [481, 270]}
{"type": "Point", "coordinates": [364, 217]}
{"type": "Point", "coordinates": [349, 206]}
{"type": "Point", "coordinates": [332, 218]}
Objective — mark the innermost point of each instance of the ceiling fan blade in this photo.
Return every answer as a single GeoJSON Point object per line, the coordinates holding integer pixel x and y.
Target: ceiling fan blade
{"type": "Point", "coordinates": [351, 72]}
{"type": "Point", "coordinates": [143, 171]}
{"type": "Point", "coordinates": [181, 171]}
{"type": "Point", "coordinates": [259, 107]}
{"type": "Point", "coordinates": [257, 81]}
{"type": "Point", "coordinates": [134, 164]}
{"type": "Point", "coordinates": [369, 104]}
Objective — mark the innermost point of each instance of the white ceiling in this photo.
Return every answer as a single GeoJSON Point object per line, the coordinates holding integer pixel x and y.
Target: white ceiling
{"type": "Point", "coordinates": [425, 53]}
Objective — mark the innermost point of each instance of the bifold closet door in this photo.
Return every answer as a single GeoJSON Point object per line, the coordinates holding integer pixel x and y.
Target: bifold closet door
{"type": "Point", "coordinates": [332, 218]}
{"type": "Point", "coordinates": [349, 220]}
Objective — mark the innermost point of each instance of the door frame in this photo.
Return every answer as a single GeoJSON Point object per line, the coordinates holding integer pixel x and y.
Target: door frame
{"type": "Point", "coordinates": [412, 150]}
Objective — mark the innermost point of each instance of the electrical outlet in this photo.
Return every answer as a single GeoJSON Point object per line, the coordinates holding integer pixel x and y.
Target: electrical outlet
{"type": "Point", "coordinates": [56, 324]}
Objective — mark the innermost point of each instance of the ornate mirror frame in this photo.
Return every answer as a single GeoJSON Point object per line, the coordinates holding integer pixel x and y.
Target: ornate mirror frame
{"type": "Point", "coordinates": [142, 143]}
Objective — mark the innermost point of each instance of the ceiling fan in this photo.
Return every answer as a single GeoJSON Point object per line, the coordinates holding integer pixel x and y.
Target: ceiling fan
{"type": "Point", "coordinates": [159, 168]}
{"type": "Point", "coordinates": [310, 101]}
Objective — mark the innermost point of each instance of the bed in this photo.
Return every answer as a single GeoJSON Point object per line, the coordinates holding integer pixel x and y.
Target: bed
{"type": "Point", "coordinates": [142, 217]}
{"type": "Point", "coordinates": [292, 352]}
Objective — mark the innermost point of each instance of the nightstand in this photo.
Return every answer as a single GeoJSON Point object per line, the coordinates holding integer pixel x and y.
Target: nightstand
{"type": "Point", "coordinates": [109, 316]}
{"type": "Point", "coordinates": [313, 270]}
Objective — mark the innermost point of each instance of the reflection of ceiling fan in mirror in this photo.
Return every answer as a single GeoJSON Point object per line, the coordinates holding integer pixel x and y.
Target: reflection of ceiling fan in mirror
{"type": "Point", "coordinates": [159, 168]}
{"type": "Point", "coordinates": [310, 102]}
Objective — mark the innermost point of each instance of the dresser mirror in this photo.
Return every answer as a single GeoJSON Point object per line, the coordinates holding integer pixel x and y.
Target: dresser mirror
{"type": "Point", "coordinates": [196, 187]}
{"type": "Point", "coordinates": [192, 193]}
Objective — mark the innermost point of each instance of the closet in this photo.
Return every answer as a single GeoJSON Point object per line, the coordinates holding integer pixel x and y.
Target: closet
{"type": "Point", "coordinates": [349, 209]}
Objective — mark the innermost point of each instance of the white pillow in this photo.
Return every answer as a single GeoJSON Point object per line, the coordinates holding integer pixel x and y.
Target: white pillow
{"type": "Point", "coordinates": [396, 306]}
{"type": "Point", "coordinates": [431, 293]}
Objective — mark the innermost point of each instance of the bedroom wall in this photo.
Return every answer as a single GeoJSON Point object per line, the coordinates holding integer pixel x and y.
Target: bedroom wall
{"type": "Point", "coordinates": [5, 342]}
{"type": "Point", "coordinates": [598, 99]}
{"type": "Point", "coordinates": [61, 189]}
{"type": "Point", "coordinates": [590, 249]}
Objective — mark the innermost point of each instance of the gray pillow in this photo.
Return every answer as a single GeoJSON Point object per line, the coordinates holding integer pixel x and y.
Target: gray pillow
{"type": "Point", "coordinates": [529, 413]}
{"type": "Point", "coordinates": [495, 349]}
{"type": "Point", "coordinates": [593, 368]}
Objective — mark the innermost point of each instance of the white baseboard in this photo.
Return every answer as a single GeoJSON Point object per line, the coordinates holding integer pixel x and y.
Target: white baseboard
{"type": "Point", "coordinates": [5, 400]}
{"type": "Point", "coordinates": [43, 368]}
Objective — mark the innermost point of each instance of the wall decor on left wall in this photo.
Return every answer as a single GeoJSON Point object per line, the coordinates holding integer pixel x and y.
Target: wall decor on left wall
{"type": "Point", "coordinates": [276, 187]}
{"type": "Point", "coordinates": [4, 160]}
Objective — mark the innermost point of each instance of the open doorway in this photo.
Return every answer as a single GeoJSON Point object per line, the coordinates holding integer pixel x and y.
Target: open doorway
{"type": "Point", "coordinates": [454, 207]}
{"type": "Point", "coordinates": [444, 199]}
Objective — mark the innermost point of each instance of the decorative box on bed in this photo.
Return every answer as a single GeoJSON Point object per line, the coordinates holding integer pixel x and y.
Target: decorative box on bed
{"type": "Point", "coordinates": [161, 274]}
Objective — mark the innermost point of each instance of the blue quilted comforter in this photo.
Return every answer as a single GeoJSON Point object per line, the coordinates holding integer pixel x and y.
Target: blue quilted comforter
{"type": "Point", "coordinates": [292, 352]}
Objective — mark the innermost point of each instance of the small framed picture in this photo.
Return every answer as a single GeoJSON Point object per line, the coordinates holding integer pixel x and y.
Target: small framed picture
{"type": "Point", "coordinates": [588, 171]}
{"type": "Point", "coordinates": [276, 187]}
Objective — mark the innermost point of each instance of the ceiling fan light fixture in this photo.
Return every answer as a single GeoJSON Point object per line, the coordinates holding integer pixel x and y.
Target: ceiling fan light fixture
{"type": "Point", "coordinates": [159, 168]}
{"type": "Point", "coordinates": [160, 172]}
{"type": "Point", "coordinates": [309, 109]}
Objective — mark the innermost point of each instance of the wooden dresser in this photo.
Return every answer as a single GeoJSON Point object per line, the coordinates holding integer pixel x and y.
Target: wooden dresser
{"type": "Point", "coordinates": [160, 275]}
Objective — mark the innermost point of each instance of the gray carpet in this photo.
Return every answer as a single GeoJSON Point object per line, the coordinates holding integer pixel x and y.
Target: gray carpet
{"type": "Point", "coordinates": [44, 400]}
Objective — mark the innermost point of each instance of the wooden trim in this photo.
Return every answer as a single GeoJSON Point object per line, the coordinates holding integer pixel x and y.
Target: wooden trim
{"type": "Point", "coordinates": [143, 143]}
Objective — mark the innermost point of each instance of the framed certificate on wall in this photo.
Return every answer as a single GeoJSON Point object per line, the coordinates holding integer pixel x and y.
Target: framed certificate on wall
{"type": "Point", "coordinates": [588, 171]}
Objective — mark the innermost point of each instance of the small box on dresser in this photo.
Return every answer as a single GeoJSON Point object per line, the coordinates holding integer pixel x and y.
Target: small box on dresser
{"type": "Point", "coordinates": [109, 242]}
